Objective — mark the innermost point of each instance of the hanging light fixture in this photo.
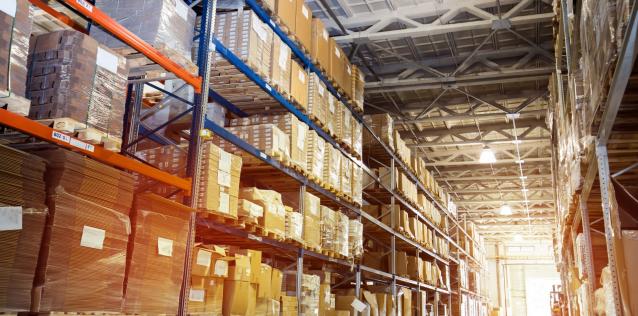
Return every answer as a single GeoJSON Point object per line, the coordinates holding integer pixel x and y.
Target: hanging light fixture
{"type": "Point", "coordinates": [487, 155]}
{"type": "Point", "coordinates": [506, 210]}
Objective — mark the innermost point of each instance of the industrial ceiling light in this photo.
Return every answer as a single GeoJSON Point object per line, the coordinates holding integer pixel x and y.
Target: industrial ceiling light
{"type": "Point", "coordinates": [506, 210]}
{"type": "Point", "coordinates": [487, 155]}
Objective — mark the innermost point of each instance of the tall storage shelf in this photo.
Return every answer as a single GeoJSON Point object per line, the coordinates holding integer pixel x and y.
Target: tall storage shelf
{"type": "Point", "coordinates": [290, 180]}
{"type": "Point", "coordinates": [594, 154]}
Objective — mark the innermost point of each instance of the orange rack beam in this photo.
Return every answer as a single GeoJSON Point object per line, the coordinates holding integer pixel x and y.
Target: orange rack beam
{"type": "Point", "coordinates": [126, 36]}
{"type": "Point", "coordinates": [48, 134]}
{"type": "Point", "coordinates": [58, 15]}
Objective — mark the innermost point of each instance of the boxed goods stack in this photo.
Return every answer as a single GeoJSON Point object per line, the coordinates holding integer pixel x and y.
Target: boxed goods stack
{"type": "Point", "coordinates": [289, 305]}
{"type": "Point", "coordinates": [303, 25]}
{"type": "Point", "coordinates": [310, 289]}
{"type": "Point", "coordinates": [22, 198]}
{"type": "Point", "coordinates": [338, 60]}
{"type": "Point", "coordinates": [312, 221]}
{"type": "Point", "coordinates": [331, 115]}
{"type": "Point", "coordinates": [294, 226]}
{"type": "Point", "coordinates": [416, 268]}
{"type": "Point", "coordinates": [401, 149]}
{"type": "Point", "coordinates": [72, 77]}
{"type": "Point", "coordinates": [344, 124]}
{"type": "Point", "coordinates": [331, 166]}
{"type": "Point", "coordinates": [274, 218]}
{"type": "Point", "coordinates": [355, 239]}
{"type": "Point", "coordinates": [315, 149]}
{"type": "Point", "coordinates": [357, 131]}
{"type": "Point", "coordinates": [219, 176]}
{"type": "Point", "coordinates": [249, 212]}
{"type": "Point", "coordinates": [299, 86]}
{"type": "Point", "coordinates": [268, 291]}
{"type": "Point", "coordinates": [383, 126]}
{"type": "Point", "coordinates": [16, 23]}
{"type": "Point", "coordinates": [358, 84]}
{"type": "Point", "coordinates": [167, 25]}
{"type": "Point", "coordinates": [265, 137]}
{"type": "Point", "coordinates": [317, 100]}
{"type": "Point", "coordinates": [329, 222]}
{"type": "Point", "coordinates": [345, 177]}
{"type": "Point", "coordinates": [342, 234]}
{"type": "Point", "coordinates": [156, 253]}
{"type": "Point", "coordinates": [280, 66]}
{"type": "Point", "coordinates": [286, 14]}
{"type": "Point", "coordinates": [247, 37]}
{"type": "Point", "coordinates": [357, 184]}
{"type": "Point", "coordinates": [208, 271]}
{"type": "Point", "coordinates": [320, 48]}
{"type": "Point", "coordinates": [240, 287]}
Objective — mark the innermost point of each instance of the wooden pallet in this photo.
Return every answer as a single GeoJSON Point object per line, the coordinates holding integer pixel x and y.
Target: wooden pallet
{"type": "Point", "coordinates": [221, 218]}
{"type": "Point", "coordinates": [84, 133]}
{"type": "Point", "coordinates": [298, 243]}
{"type": "Point", "coordinates": [262, 231]}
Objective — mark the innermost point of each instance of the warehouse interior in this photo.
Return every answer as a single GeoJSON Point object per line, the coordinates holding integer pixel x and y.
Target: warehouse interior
{"type": "Point", "coordinates": [318, 157]}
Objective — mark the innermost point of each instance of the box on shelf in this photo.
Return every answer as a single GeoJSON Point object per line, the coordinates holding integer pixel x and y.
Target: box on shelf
{"type": "Point", "coordinates": [357, 132]}
{"type": "Point", "coordinates": [331, 166]}
{"type": "Point", "coordinates": [328, 229]}
{"type": "Point", "coordinates": [167, 25]}
{"type": "Point", "coordinates": [357, 184]}
{"type": "Point", "coordinates": [346, 84]}
{"type": "Point", "coordinates": [265, 137]}
{"type": "Point", "coordinates": [22, 195]}
{"type": "Point", "coordinates": [206, 296]}
{"type": "Point", "coordinates": [294, 225]}
{"type": "Point", "coordinates": [281, 66]}
{"type": "Point", "coordinates": [331, 114]}
{"type": "Point", "coordinates": [289, 305]}
{"type": "Point", "coordinates": [240, 298]}
{"type": "Point", "coordinates": [299, 85]}
{"type": "Point", "coordinates": [342, 234]}
{"type": "Point", "coordinates": [315, 153]}
{"type": "Point", "coordinates": [320, 48]}
{"type": "Point", "coordinates": [383, 126]}
{"type": "Point", "coordinates": [375, 260]}
{"type": "Point", "coordinates": [79, 82]}
{"type": "Point", "coordinates": [83, 257]}
{"type": "Point", "coordinates": [16, 28]}
{"type": "Point", "coordinates": [303, 25]}
{"type": "Point", "coordinates": [317, 99]}
{"type": "Point", "coordinates": [274, 218]}
{"type": "Point", "coordinates": [337, 69]}
{"type": "Point", "coordinates": [156, 253]}
{"type": "Point", "coordinates": [345, 176]}
{"type": "Point", "coordinates": [402, 150]}
{"type": "Point", "coordinates": [209, 260]}
{"type": "Point", "coordinates": [286, 14]}
{"type": "Point", "coordinates": [249, 211]}
{"type": "Point", "coordinates": [344, 124]}
{"type": "Point", "coordinates": [355, 238]}
{"type": "Point", "coordinates": [358, 85]}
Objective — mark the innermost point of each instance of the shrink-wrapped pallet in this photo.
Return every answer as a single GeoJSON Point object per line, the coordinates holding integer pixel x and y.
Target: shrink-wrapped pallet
{"type": "Point", "coordinates": [294, 225]}
{"type": "Point", "coordinates": [357, 184]}
{"type": "Point", "coordinates": [23, 213]}
{"type": "Point", "coordinates": [310, 295]}
{"type": "Point", "coordinates": [89, 179]}
{"type": "Point", "coordinates": [167, 25]}
{"type": "Point", "coordinates": [299, 85]}
{"type": "Point", "coordinates": [265, 137]}
{"type": "Point", "coordinates": [247, 37]}
{"type": "Point", "coordinates": [328, 229]}
{"type": "Point", "coordinates": [16, 22]}
{"type": "Point", "coordinates": [331, 166]}
{"type": "Point", "coordinates": [219, 176]}
{"type": "Point", "coordinates": [315, 153]}
{"type": "Point", "coordinates": [332, 114]}
{"type": "Point", "coordinates": [342, 229]}
{"type": "Point", "coordinates": [317, 99]}
{"type": "Point", "coordinates": [344, 124]}
{"type": "Point", "coordinates": [383, 126]}
{"type": "Point", "coordinates": [281, 65]}
{"type": "Point", "coordinates": [83, 257]}
{"type": "Point", "coordinates": [357, 141]}
{"type": "Point", "coordinates": [345, 176]}
{"type": "Point", "coordinates": [156, 255]}
{"type": "Point", "coordinates": [274, 219]}
{"type": "Point", "coordinates": [402, 149]}
{"type": "Point", "coordinates": [358, 84]}
{"type": "Point", "coordinates": [355, 238]}
{"type": "Point", "coordinates": [72, 76]}
{"type": "Point", "coordinates": [320, 47]}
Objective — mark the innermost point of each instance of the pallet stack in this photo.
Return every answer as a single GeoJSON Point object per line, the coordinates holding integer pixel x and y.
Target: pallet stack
{"type": "Point", "coordinates": [14, 43]}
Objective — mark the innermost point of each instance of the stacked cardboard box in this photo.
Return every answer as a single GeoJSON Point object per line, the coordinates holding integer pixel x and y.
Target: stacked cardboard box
{"type": "Point", "coordinates": [320, 48]}
{"type": "Point", "coordinates": [344, 124]}
{"type": "Point", "coordinates": [83, 256]}
{"type": "Point", "coordinates": [342, 234]}
{"type": "Point", "coordinates": [240, 292]}
{"type": "Point", "coordinates": [294, 226]}
{"type": "Point", "coordinates": [357, 132]}
{"type": "Point", "coordinates": [289, 305]}
{"type": "Point", "coordinates": [268, 291]}
{"type": "Point", "coordinates": [315, 151]}
{"type": "Point", "coordinates": [249, 211]}
{"type": "Point", "coordinates": [358, 84]}
{"type": "Point", "coordinates": [355, 239]}
{"type": "Point", "coordinates": [299, 85]}
{"type": "Point", "coordinates": [310, 291]}
{"type": "Point", "coordinates": [317, 99]}
{"type": "Point", "coordinates": [383, 126]}
{"type": "Point", "coordinates": [208, 271]}
{"type": "Point", "coordinates": [265, 137]}
{"type": "Point", "coordinates": [311, 221]}
{"type": "Point", "coordinates": [72, 76]}
{"type": "Point", "coordinates": [303, 25]}
{"type": "Point", "coordinates": [156, 253]}
{"type": "Point", "coordinates": [329, 222]}
{"type": "Point", "coordinates": [16, 24]}
{"type": "Point", "coordinates": [401, 148]}
{"type": "Point", "coordinates": [345, 176]}
{"type": "Point", "coordinates": [331, 115]}
{"type": "Point", "coordinates": [286, 14]}
{"type": "Point", "coordinates": [357, 184]}
{"type": "Point", "coordinates": [23, 212]}
{"type": "Point", "coordinates": [281, 65]}
{"type": "Point", "coordinates": [247, 37]}
{"type": "Point", "coordinates": [331, 166]}
{"type": "Point", "coordinates": [219, 176]}
{"type": "Point", "coordinates": [274, 218]}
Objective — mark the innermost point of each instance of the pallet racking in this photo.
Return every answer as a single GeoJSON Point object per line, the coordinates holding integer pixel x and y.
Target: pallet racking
{"type": "Point", "coordinates": [203, 228]}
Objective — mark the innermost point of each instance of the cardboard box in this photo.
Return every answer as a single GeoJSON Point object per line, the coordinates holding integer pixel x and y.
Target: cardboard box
{"type": "Point", "coordinates": [320, 47]}
{"type": "Point", "coordinates": [286, 12]}
{"type": "Point", "coordinates": [240, 298]}
{"type": "Point", "coordinates": [239, 268]}
{"type": "Point", "coordinates": [250, 210]}
{"type": "Point", "coordinates": [331, 114]}
{"type": "Point", "coordinates": [255, 262]}
{"type": "Point", "coordinates": [337, 63]}
{"type": "Point", "coordinates": [266, 137]}
{"type": "Point", "coordinates": [346, 85]}
{"type": "Point", "coordinates": [376, 260]}
{"type": "Point", "coordinates": [401, 267]}
{"type": "Point", "coordinates": [281, 65]}
{"type": "Point", "coordinates": [264, 289]}
{"type": "Point", "coordinates": [357, 184]}
{"type": "Point", "coordinates": [415, 268]}
{"type": "Point", "coordinates": [324, 298]}
{"type": "Point", "coordinates": [294, 225]}
{"type": "Point", "coordinates": [289, 305]}
{"type": "Point", "coordinates": [328, 229]}
{"type": "Point", "coordinates": [274, 218]}
{"type": "Point", "coordinates": [315, 152]}
{"type": "Point", "coordinates": [317, 99]}
{"type": "Point", "coordinates": [276, 280]}
{"type": "Point", "coordinates": [299, 85]}
{"type": "Point", "coordinates": [358, 85]}
{"type": "Point", "coordinates": [383, 126]}
{"type": "Point", "coordinates": [331, 166]}
{"type": "Point", "coordinates": [312, 232]}
{"type": "Point", "coordinates": [345, 176]}
{"type": "Point", "coordinates": [206, 295]}
{"type": "Point", "coordinates": [303, 24]}
{"type": "Point", "coordinates": [204, 260]}
{"type": "Point", "coordinates": [267, 307]}
{"type": "Point", "coordinates": [406, 301]}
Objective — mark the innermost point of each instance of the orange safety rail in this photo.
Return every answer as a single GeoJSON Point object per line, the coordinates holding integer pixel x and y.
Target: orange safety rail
{"type": "Point", "coordinates": [58, 15]}
{"type": "Point", "coordinates": [126, 36]}
{"type": "Point", "coordinates": [48, 134]}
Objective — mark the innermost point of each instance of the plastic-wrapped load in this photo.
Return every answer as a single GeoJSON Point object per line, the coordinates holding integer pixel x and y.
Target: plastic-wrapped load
{"type": "Point", "coordinates": [357, 184]}
{"type": "Point", "coordinates": [167, 25]}
{"type": "Point", "coordinates": [310, 295]}
{"type": "Point", "coordinates": [23, 213]}
{"type": "Point", "coordinates": [357, 131]}
{"type": "Point", "coordinates": [355, 238]}
{"type": "Point", "coordinates": [344, 123]}
{"type": "Point", "coordinates": [331, 166]}
{"type": "Point", "coordinates": [83, 256]}
{"type": "Point", "coordinates": [383, 126]}
{"type": "Point", "coordinates": [72, 76]}
{"type": "Point", "coordinates": [315, 151]}
{"type": "Point", "coordinates": [332, 114]}
{"type": "Point", "coordinates": [317, 99]}
{"type": "Point", "coordinates": [274, 219]}
{"type": "Point", "coordinates": [342, 234]}
{"type": "Point", "coordinates": [15, 23]}
{"type": "Point", "coordinates": [328, 229]}
{"type": "Point", "coordinates": [358, 84]}
{"type": "Point", "coordinates": [294, 225]}
{"type": "Point", "coordinates": [345, 176]}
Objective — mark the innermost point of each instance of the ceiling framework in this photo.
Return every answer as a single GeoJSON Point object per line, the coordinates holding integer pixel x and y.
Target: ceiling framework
{"type": "Point", "coordinates": [458, 75]}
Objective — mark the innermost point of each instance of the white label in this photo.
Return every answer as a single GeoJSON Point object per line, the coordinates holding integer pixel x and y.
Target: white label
{"type": "Point", "coordinates": [9, 7]}
{"type": "Point", "coordinates": [106, 60]}
{"type": "Point", "coordinates": [77, 143]}
{"type": "Point", "coordinates": [301, 137]}
{"type": "Point", "coordinates": [92, 237]}
{"type": "Point", "coordinates": [10, 218]}
{"type": "Point", "coordinates": [349, 71]}
{"type": "Point", "coordinates": [196, 295]}
{"type": "Point", "coordinates": [337, 52]}
{"type": "Point", "coordinates": [61, 137]}
{"type": "Point", "coordinates": [268, 87]}
{"type": "Point", "coordinates": [259, 29]}
{"type": "Point", "coordinates": [263, 155]}
{"type": "Point", "coordinates": [85, 4]}
{"type": "Point", "coordinates": [284, 53]}
{"type": "Point", "coordinates": [320, 89]}
{"type": "Point", "coordinates": [225, 160]}
{"type": "Point", "coordinates": [358, 305]}
{"type": "Point", "coordinates": [221, 268]}
{"type": "Point", "coordinates": [325, 35]}
{"type": "Point", "coordinates": [164, 247]}
{"type": "Point", "coordinates": [224, 202]}
{"type": "Point", "coordinates": [302, 76]}
{"type": "Point", "coordinates": [182, 9]}
{"type": "Point", "coordinates": [203, 258]}
{"type": "Point", "coordinates": [223, 178]}
{"type": "Point", "coordinates": [304, 11]}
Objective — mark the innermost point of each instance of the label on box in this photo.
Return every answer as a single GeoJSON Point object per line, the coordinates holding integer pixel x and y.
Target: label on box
{"type": "Point", "coordinates": [301, 136]}
{"type": "Point", "coordinates": [10, 217]}
{"type": "Point", "coordinates": [284, 55]}
{"type": "Point", "coordinates": [349, 71]}
{"type": "Point", "coordinates": [325, 35]}
{"type": "Point", "coordinates": [106, 60]}
{"type": "Point", "coordinates": [320, 89]}
{"type": "Point", "coordinates": [223, 178]}
{"type": "Point", "coordinates": [203, 258]}
{"type": "Point", "coordinates": [224, 202]}
{"type": "Point", "coordinates": [164, 247]}
{"type": "Point", "coordinates": [358, 305]}
{"type": "Point", "coordinates": [221, 268]}
{"type": "Point", "coordinates": [337, 52]}
{"type": "Point", "coordinates": [259, 29]}
{"type": "Point", "coordinates": [92, 237]}
{"type": "Point", "coordinates": [181, 9]}
{"type": "Point", "coordinates": [302, 76]}
{"type": "Point", "coordinates": [9, 7]}
{"type": "Point", "coordinates": [225, 160]}
{"type": "Point", "coordinates": [196, 295]}
{"type": "Point", "coordinates": [304, 11]}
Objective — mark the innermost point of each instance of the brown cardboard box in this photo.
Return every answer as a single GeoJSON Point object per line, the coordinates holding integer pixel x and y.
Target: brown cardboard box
{"type": "Point", "coordinates": [320, 48]}
{"type": "Point", "coordinates": [265, 137]}
{"type": "Point", "coordinates": [406, 301]}
{"type": "Point", "coordinates": [240, 268]}
{"type": "Point", "coordinates": [331, 166]}
{"type": "Point", "coordinates": [401, 267]}
{"type": "Point", "coordinates": [376, 260]}
{"type": "Point", "coordinates": [328, 228]}
{"type": "Point", "coordinates": [240, 298]}
{"type": "Point", "coordinates": [303, 24]}
{"type": "Point", "coordinates": [347, 77]}
{"type": "Point", "coordinates": [312, 232]}
{"type": "Point", "coordinates": [264, 289]}
{"type": "Point", "coordinates": [14, 44]}
{"type": "Point", "coordinates": [324, 298]}
{"type": "Point", "coordinates": [267, 307]}
{"type": "Point", "coordinates": [206, 296]}
{"type": "Point", "coordinates": [299, 85]}
{"type": "Point", "coordinates": [383, 126]}
{"type": "Point", "coordinates": [331, 113]}
{"type": "Point", "coordinates": [317, 99]}
{"type": "Point", "coordinates": [250, 210]}
{"type": "Point", "coordinates": [280, 65]}
{"type": "Point", "coordinates": [255, 262]}
{"type": "Point", "coordinates": [415, 268]}
{"type": "Point", "coordinates": [294, 225]}
{"type": "Point", "coordinates": [285, 10]}
{"type": "Point", "coordinates": [315, 151]}
{"type": "Point", "coordinates": [358, 84]}
{"type": "Point", "coordinates": [337, 63]}
{"type": "Point", "coordinates": [288, 305]}
{"type": "Point", "coordinates": [204, 260]}
{"type": "Point", "coordinates": [274, 218]}
{"type": "Point", "coordinates": [276, 279]}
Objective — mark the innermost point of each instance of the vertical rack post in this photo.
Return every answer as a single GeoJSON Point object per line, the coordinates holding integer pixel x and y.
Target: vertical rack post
{"type": "Point", "coordinates": [393, 240]}
{"type": "Point", "coordinates": [132, 116]}
{"type": "Point", "coordinates": [193, 163]}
